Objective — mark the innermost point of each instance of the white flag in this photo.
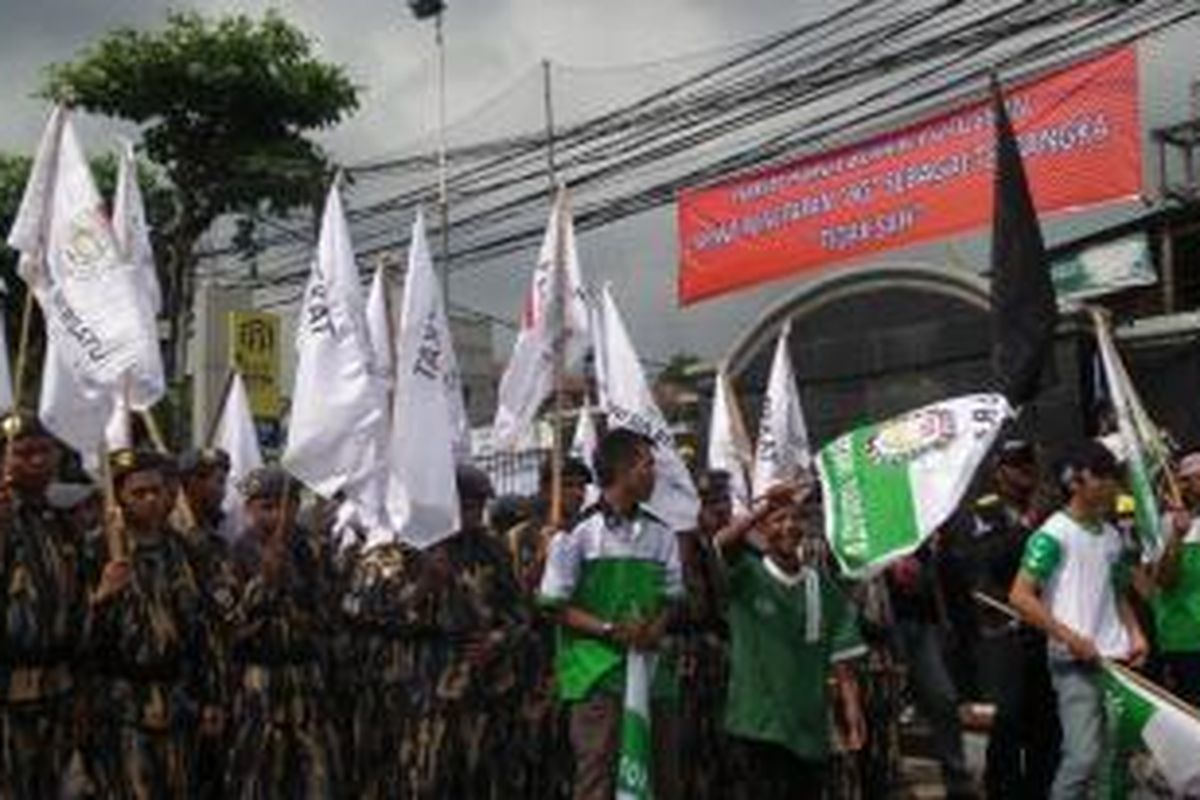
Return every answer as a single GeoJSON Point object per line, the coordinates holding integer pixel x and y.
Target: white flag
{"type": "Point", "coordinates": [529, 378]}
{"type": "Point", "coordinates": [583, 443]}
{"type": "Point", "coordinates": [583, 447]}
{"type": "Point", "coordinates": [76, 415]}
{"type": "Point", "coordinates": [147, 383]}
{"type": "Point", "coordinates": [96, 317]}
{"type": "Point", "coordinates": [130, 228]}
{"type": "Point", "coordinates": [422, 497]}
{"type": "Point", "coordinates": [337, 401]}
{"type": "Point", "coordinates": [236, 435]}
{"type": "Point", "coordinates": [380, 329]}
{"type": "Point", "coordinates": [728, 445]}
{"type": "Point", "coordinates": [599, 357]}
{"type": "Point", "coordinates": [782, 454]}
{"type": "Point", "coordinates": [460, 425]}
{"type": "Point", "coordinates": [631, 405]}
{"type": "Point", "coordinates": [1145, 454]}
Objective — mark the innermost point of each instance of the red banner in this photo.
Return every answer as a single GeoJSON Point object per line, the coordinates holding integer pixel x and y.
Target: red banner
{"type": "Point", "coordinates": [1080, 137]}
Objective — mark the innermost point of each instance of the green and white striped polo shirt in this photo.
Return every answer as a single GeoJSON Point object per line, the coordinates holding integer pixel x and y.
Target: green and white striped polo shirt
{"type": "Point", "coordinates": [616, 568]}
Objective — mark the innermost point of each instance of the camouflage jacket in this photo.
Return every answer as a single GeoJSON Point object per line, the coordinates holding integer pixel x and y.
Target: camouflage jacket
{"type": "Point", "coordinates": [149, 643]}
{"type": "Point", "coordinates": [43, 605]}
{"type": "Point", "coordinates": [280, 645]}
{"type": "Point", "coordinates": [479, 597]}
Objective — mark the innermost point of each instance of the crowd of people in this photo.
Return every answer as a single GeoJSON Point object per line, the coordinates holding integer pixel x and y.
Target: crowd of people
{"type": "Point", "coordinates": [145, 653]}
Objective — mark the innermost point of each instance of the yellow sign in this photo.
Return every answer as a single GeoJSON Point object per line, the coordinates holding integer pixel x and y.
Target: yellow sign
{"type": "Point", "coordinates": [254, 352]}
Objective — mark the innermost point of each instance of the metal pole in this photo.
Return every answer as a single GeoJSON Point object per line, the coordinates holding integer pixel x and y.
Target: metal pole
{"type": "Point", "coordinates": [548, 103]}
{"type": "Point", "coordinates": [443, 192]}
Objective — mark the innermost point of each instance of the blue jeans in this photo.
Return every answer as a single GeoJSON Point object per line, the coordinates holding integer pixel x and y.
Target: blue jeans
{"type": "Point", "coordinates": [920, 646]}
{"type": "Point", "coordinates": [1081, 714]}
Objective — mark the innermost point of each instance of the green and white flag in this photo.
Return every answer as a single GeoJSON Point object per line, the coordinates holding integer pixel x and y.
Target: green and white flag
{"type": "Point", "coordinates": [633, 765]}
{"type": "Point", "coordinates": [889, 485]}
{"type": "Point", "coordinates": [1141, 445]}
{"type": "Point", "coordinates": [1138, 716]}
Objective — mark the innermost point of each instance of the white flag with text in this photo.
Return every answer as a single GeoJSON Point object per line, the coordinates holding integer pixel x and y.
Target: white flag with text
{"type": "Point", "coordinates": [422, 496]}
{"type": "Point", "coordinates": [631, 405]}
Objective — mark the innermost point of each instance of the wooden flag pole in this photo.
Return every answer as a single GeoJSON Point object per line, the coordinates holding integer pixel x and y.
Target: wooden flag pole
{"type": "Point", "coordinates": [23, 349]}
{"type": "Point", "coordinates": [114, 527]}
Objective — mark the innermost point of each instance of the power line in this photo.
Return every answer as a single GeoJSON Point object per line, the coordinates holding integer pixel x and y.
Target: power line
{"type": "Point", "coordinates": [636, 157]}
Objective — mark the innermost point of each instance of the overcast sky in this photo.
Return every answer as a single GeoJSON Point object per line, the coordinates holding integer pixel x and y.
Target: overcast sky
{"type": "Point", "coordinates": [494, 47]}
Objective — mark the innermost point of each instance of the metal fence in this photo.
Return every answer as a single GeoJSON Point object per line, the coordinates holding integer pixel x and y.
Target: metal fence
{"type": "Point", "coordinates": [513, 472]}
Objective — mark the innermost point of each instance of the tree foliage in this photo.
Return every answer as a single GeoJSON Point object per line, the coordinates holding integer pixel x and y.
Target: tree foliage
{"type": "Point", "coordinates": [224, 107]}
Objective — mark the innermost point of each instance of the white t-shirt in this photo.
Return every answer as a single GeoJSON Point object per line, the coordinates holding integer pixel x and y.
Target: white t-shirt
{"type": "Point", "coordinates": [1077, 569]}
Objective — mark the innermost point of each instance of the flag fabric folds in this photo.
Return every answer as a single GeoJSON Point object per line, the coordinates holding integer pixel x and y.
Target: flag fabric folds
{"type": "Point", "coordinates": [631, 405]}
{"type": "Point", "coordinates": [338, 403]}
{"type": "Point", "coordinates": [96, 318]}
{"type": "Point", "coordinates": [1139, 715]}
{"type": "Point", "coordinates": [782, 455]}
{"type": "Point", "coordinates": [635, 757]}
{"type": "Point", "coordinates": [1143, 449]}
{"type": "Point", "coordinates": [422, 498]}
{"type": "Point", "coordinates": [236, 435]}
{"type": "Point", "coordinates": [147, 383]}
{"type": "Point", "coordinates": [889, 485]}
{"type": "Point", "coordinates": [380, 329]}
{"type": "Point", "coordinates": [1024, 309]}
{"type": "Point", "coordinates": [529, 377]}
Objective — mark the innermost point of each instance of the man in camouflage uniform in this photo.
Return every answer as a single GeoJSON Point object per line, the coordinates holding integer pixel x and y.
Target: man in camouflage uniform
{"type": "Point", "coordinates": [464, 684]}
{"type": "Point", "coordinates": [203, 475]}
{"type": "Point", "coordinates": [42, 616]}
{"type": "Point", "coordinates": [283, 746]}
{"type": "Point", "coordinates": [700, 640]}
{"type": "Point", "coordinates": [545, 765]}
{"type": "Point", "coordinates": [387, 607]}
{"type": "Point", "coordinates": [149, 645]}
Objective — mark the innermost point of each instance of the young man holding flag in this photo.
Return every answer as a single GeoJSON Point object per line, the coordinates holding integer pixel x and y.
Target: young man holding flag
{"type": "Point", "coordinates": [1071, 585]}
{"type": "Point", "coordinates": [613, 579]}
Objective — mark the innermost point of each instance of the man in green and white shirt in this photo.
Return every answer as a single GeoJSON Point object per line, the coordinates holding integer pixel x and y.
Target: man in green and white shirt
{"type": "Point", "coordinates": [791, 630]}
{"type": "Point", "coordinates": [1177, 603]}
{"type": "Point", "coordinates": [613, 579]}
{"type": "Point", "coordinates": [1072, 585]}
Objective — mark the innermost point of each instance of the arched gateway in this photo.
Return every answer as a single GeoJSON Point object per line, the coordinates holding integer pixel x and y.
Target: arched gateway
{"type": "Point", "coordinates": [871, 342]}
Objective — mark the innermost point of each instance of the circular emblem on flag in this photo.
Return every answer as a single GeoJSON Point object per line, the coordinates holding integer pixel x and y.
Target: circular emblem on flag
{"type": "Point", "coordinates": [911, 436]}
{"type": "Point", "coordinates": [89, 246]}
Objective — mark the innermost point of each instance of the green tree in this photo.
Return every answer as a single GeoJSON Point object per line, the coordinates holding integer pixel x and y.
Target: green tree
{"type": "Point", "coordinates": [225, 107]}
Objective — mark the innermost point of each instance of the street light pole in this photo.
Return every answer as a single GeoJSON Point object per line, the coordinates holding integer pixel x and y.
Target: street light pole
{"type": "Point", "coordinates": [443, 192]}
{"type": "Point", "coordinates": [423, 10]}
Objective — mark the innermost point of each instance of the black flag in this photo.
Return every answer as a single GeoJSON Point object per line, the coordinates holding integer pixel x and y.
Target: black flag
{"type": "Point", "coordinates": [1024, 310]}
